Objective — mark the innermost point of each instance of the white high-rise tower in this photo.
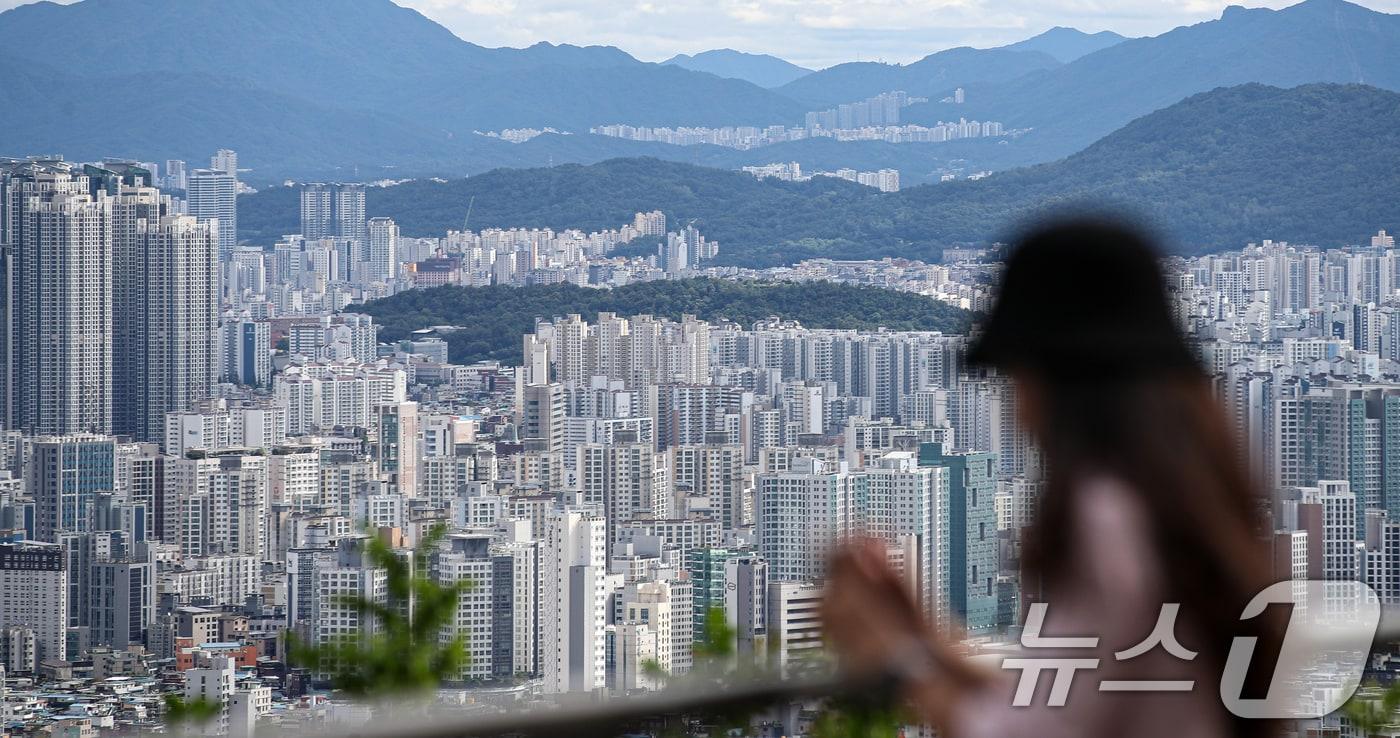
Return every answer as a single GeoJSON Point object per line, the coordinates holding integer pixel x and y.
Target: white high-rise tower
{"type": "Point", "coordinates": [58, 301]}
{"type": "Point", "coordinates": [213, 197]}
{"type": "Point", "coordinates": [381, 256]}
{"type": "Point", "coordinates": [573, 566]}
{"type": "Point", "coordinates": [226, 161]}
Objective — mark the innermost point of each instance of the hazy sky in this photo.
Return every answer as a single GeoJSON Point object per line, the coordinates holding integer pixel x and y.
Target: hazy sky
{"type": "Point", "coordinates": [814, 33]}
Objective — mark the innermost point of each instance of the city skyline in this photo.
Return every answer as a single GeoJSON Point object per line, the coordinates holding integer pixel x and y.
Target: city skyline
{"type": "Point", "coordinates": [217, 469]}
{"type": "Point", "coordinates": [813, 35]}
{"type": "Point", "coordinates": [351, 353]}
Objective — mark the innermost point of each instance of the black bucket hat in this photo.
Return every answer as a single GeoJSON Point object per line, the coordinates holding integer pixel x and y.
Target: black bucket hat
{"type": "Point", "coordinates": [1083, 300]}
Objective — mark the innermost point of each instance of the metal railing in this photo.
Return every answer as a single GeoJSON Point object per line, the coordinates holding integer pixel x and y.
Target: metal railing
{"type": "Point", "coordinates": [610, 719]}
{"type": "Point", "coordinates": [613, 718]}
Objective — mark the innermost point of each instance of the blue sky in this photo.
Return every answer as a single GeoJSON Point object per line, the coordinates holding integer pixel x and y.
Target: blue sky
{"type": "Point", "coordinates": [813, 33]}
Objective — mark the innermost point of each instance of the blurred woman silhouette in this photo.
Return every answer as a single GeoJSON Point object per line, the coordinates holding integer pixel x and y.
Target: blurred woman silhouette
{"type": "Point", "coordinates": [1144, 504]}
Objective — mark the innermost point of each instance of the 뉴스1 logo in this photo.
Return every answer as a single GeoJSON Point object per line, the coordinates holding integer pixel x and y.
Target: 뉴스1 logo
{"type": "Point", "coordinates": [1330, 629]}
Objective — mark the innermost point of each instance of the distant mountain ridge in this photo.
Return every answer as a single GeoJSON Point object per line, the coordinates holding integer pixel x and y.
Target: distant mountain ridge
{"type": "Point", "coordinates": [931, 75]}
{"type": "Point", "coordinates": [1074, 104]}
{"type": "Point", "coordinates": [1067, 44]}
{"type": "Point", "coordinates": [368, 89]}
{"type": "Point", "coordinates": [368, 62]}
{"type": "Point", "coordinates": [1312, 164]}
{"type": "Point", "coordinates": [763, 70]}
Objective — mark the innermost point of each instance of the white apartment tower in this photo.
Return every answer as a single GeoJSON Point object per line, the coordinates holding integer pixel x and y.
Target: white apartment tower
{"type": "Point", "coordinates": [222, 501]}
{"type": "Point", "coordinates": [469, 560]}
{"type": "Point", "coordinates": [573, 618]}
{"type": "Point", "coordinates": [802, 514]}
{"type": "Point", "coordinates": [213, 198]}
{"type": "Point", "coordinates": [58, 306]}
{"type": "Point", "coordinates": [350, 575]}
{"type": "Point", "coordinates": [316, 211]}
{"type": "Point", "coordinates": [349, 215]}
{"type": "Point", "coordinates": [906, 505]}
{"type": "Point", "coordinates": [381, 263]}
{"type": "Point", "coordinates": [226, 161]}
{"type": "Point", "coordinates": [715, 473]}
{"type": "Point", "coordinates": [214, 683]}
{"type": "Point", "coordinates": [1340, 562]}
{"type": "Point", "coordinates": [34, 595]}
{"type": "Point", "coordinates": [628, 480]}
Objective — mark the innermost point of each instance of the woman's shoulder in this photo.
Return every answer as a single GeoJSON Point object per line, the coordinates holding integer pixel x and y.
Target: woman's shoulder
{"type": "Point", "coordinates": [1113, 535]}
{"type": "Point", "coordinates": [1106, 501]}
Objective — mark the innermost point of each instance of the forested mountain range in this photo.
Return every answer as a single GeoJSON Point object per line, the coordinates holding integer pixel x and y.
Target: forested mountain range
{"type": "Point", "coordinates": [1311, 164]}
{"type": "Point", "coordinates": [366, 89]}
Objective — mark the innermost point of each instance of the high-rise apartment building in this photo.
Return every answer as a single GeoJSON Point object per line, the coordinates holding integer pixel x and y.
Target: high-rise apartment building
{"type": "Point", "coordinates": [166, 313]}
{"type": "Point", "coordinates": [907, 505]}
{"type": "Point", "coordinates": [1347, 431]}
{"type": "Point", "coordinates": [969, 549]}
{"type": "Point", "coordinates": [317, 211]}
{"type": "Point", "coordinates": [397, 446]}
{"type": "Point", "coordinates": [1335, 524]}
{"type": "Point", "coordinates": [335, 338]}
{"type": "Point", "coordinates": [222, 503]}
{"type": "Point", "coordinates": [541, 416]}
{"type": "Point", "coordinates": [802, 514]}
{"type": "Point", "coordinates": [348, 217]}
{"type": "Point", "coordinates": [650, 224]}
{"type": "Point", "coordinates": [121, 602]}
{"type": "Point", "coordinates": [794, 623]}
{"type": "Point", "coordinates": [111, 305]}
{"type": "Point", "coordinates": [573, 569]}
{"type": "Point", "coordinates": [213, 198]}
{"type": "Point", "coordinates": [57, 302]}
{"type": "Point", "coordinates": [226, 161]}
{"type": "Point", "coordinates": [468, 559]}
{"type": "Point", "coordinates": [247, 352]}
{"type": "Point", "coordinates": [515, 607]}
{"type": "Point", "coordinates": [662, 611]}
{"type": "Point", "coordinates": [715, 473]}
{"type": "Point", "coordinates": [34, 595]}
{"type": "Point", "coordinates": [64, 474]}
{"type": "Point", "coordinates": [213, 683]}
{"type": "Point", "coordinates": [627, 480]}
{"type": "Point", "coordinates": [327, 396]}
{"type": "Point", "coordinates": [175, 177]}
{"type": "Point", "coordinates": [381, 256]}
{"type": "Point", "coordinates": [135, 211]}
{"type": "Point", "coordinates": [735, 583]}
{"type": "Point", "coordinates": [497, 618]}
{"type": "Point", "coordinates": [333, 211]}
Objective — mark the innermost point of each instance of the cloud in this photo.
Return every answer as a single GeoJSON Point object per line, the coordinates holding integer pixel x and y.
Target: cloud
{"type": "Point", "coordinates": [749, 12]}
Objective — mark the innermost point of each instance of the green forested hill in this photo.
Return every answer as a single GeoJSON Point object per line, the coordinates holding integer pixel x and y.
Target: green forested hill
{"type": "Point", "coordinates": [1311, 164]}
{"type": "Point", "coordinates": [1315, 163]}
{"type": "Point", "coordinates": [493, 319]}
